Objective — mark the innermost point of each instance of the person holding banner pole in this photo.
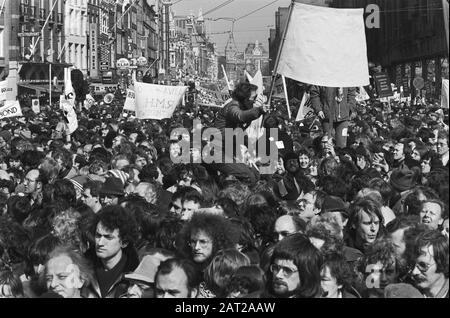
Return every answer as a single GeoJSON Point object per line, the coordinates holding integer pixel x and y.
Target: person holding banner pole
{"type": "Point", "coordinates": [245, 107]}
{"type": "Point", "coordinates": [336, 107]}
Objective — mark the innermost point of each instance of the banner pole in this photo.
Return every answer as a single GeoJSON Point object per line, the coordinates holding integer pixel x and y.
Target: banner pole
{"type": "Point", "coordinates": [226, 78]}
{"type": "Point", "coordinates": [50, 83]}
{"type": "Point", "coordinates": [277, 61]}
{"type": "Point", "coordinates": [286, 96]}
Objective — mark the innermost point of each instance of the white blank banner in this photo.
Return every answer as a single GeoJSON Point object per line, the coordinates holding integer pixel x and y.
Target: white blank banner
{"type": "Point", "coordinates": [326, 47]}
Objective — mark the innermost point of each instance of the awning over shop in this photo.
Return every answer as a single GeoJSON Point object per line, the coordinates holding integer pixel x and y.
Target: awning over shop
{"type": "Point", "coordinates": [40, 88]}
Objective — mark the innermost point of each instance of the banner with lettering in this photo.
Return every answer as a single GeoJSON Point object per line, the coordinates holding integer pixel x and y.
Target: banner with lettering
{"type": "Point", "coordinates": [11, 109]}
{"type": "Point", "coordinates": [383, 84]}
{"type": "Point", "coordinates": [208, 97]}
{"type": "Point", "coordinates": [130, 102]}
{"type": "Point", "coordinates": [157, 101]}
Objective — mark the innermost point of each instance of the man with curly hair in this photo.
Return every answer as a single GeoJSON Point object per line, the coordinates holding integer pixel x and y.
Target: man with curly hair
{"type": "Point", "coordinates": [204, 235]}
{"type": "Point", "coordinates": [116, 231]}
{"type": "Point", "coordinates": [380, 268]}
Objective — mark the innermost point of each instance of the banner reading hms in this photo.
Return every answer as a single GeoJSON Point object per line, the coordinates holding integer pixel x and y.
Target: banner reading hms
{"type": "Point", "coordinates": [157, 101]}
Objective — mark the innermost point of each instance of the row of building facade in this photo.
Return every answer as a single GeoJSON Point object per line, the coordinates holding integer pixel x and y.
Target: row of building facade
{"type": "Point", "coordinates": [91, 35]}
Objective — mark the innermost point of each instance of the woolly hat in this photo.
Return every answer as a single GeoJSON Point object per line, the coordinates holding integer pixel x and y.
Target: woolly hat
{"type": "Point", "coordinates": [290, 156]}
{"type": "Point", "coordinates": [6, 135]}
{"type": "Point", "coordinates": [401, 291]}
{"type": "Point", "coordinates": [79, 182]}
{"type": "Point", "coordinates": [112, 186]}
{"type": "Point", "coordinates": [334, 204]}
{"type": "Point", "coordinates": [402, 179]}
{"type": "Point", "coordinates": [119, 174]}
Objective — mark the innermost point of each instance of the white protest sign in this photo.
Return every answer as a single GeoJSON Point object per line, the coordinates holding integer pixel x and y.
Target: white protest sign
{"type": "Point", "coordinates": [255, 131]}
{"type": "Point", "coordinates": [36, 106]}
{"type": "Point", "coordinates": [326, 47]}
{"type": "Point", "coordinates": [70, 114]}
{"type": "Point", "coordinates": [301, 110]}
{"type": "Point", "coordinates": [69, 93]}
{"type": "Point", "coordinates": [362, 96]}
{"type": "Point", "coordinates": [130, 102]}
{"type": "Point", "coordinates": [4, 89]}
{"type": "Point", "coordinates": [11, 109]}
{"type": "Point", "coordinates": [157, 101]}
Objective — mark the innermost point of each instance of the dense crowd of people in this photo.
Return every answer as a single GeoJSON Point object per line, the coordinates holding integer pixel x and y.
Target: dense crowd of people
{"type": "Point", "coordinates": [106, 213]}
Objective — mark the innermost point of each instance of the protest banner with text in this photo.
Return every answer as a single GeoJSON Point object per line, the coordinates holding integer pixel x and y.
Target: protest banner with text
{"type": "Point", "coordinates": [383, 84]}
{"type": "Point", "coordinates": [157, 101]}
{"type": "Point", "coordinates": [11, 109]}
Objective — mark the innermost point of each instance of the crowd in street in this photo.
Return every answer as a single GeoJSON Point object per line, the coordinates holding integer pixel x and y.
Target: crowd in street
{"type": "Point", "coordinates": [106, 213]}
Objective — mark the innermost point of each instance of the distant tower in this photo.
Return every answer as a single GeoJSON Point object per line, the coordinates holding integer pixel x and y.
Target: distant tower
{"type": "Point", "coordinates": [200, 25]}
{"type": "Point", "coordinates": [231, 49]}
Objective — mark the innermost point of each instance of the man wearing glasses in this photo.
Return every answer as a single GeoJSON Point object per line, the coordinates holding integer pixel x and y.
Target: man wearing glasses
{"type": "Point", "coordinates": [295, 269]}
{"type": "Point", "coordinates": [430, 260]}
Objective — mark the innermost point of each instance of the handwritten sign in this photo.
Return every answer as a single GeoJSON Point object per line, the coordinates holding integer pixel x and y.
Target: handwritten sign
{"type": "Point", "coordinates": [157, 101]}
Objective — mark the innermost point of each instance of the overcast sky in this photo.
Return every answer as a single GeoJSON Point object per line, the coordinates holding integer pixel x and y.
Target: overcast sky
{"type": "Point", "coordinates": [254, 27]}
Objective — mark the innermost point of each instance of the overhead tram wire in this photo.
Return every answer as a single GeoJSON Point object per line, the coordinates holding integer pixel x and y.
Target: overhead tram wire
{"type": "Point", "coordinates": [254, 11]}
{"type": "Point", "coordinates": [220, 6]}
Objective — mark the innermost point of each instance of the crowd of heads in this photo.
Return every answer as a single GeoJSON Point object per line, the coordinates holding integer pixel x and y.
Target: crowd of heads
{"type": "Point", "coordinates": [105, 212]}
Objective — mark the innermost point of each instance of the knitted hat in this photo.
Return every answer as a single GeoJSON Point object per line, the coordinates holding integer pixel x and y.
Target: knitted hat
{"type": "Point", "coordinates": [290, 156]}
{"type": "Point", "coordinates": [119, 174]}
{"type": "Point", "coordinates": [79, 182]}
{"type": "Point", "coordinates": [334, 204]}
{"type": "Point", "coordinates": [402, 179]}
{"type": "Point", "coordinates": [401, 291]}
{"type": "Point", "coordinates": [112, 186]}
{"type": "Point", "coordinates": [6, 135]}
